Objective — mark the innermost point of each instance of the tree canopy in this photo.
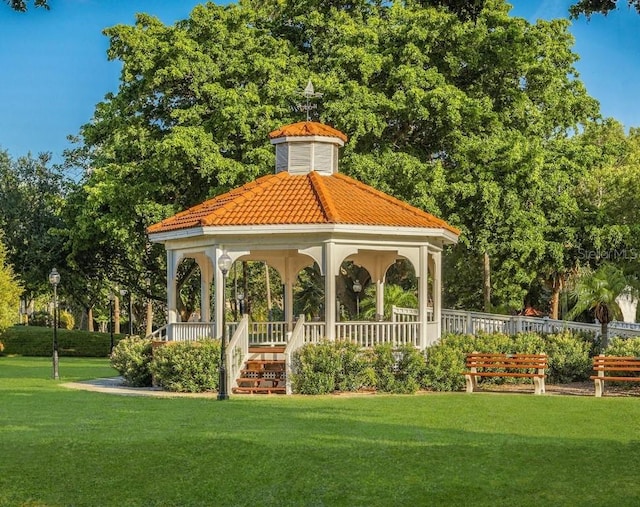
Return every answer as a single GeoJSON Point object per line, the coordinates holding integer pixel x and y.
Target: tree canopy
{"type": "Point", "coordinates": [22, 5]}
{"type": "Point", "coordinates": [461, 117]}
{"type": "Point", "coordinates": [589, 7]}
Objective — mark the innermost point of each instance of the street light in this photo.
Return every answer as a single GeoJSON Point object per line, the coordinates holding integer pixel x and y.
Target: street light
{"type": "Point", "coordinates": [112, 297]}
{"type": "Point", "coordinates": [224, 263]}
{"type": "Point", "coordinates": [54, 279]}
{"type": "Point", "coordinates": [357, 287]}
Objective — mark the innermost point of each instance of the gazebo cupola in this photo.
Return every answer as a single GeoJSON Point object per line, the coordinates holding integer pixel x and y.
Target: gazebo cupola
{"type": "Point", "coordinates": [307, 146]}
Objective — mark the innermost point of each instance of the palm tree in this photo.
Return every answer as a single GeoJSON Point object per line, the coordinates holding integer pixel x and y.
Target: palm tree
{"type": "Point", "coordinates": [597, 291]}
{"type": "Point", "coordinates": [394, 295]}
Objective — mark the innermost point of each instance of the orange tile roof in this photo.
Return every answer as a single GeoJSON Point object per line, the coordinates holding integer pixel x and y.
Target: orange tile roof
{"type": "Point", "coordinates": [307, 128]}
{"type": "Point", "coordinates": [286, 199]}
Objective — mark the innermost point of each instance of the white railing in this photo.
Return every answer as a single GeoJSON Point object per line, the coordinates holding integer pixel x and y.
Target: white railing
{"type": "Point", "coordinates": [238, 350]}
{"type": "Point", "coordinates": [314, 332]}
{"type": "Point", "coordinates": [296, 340]}
{"type": "Point", "coordinates": [370, 334]}
{"type": "Point", "coordinates": [263, 333]}
{"type": "Point", "coordinates": [159, 334]}
{"type": "Point", "coordinates": [461, 322]}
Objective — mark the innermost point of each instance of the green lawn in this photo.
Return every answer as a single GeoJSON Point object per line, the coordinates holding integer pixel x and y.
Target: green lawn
{"type": "Point", "coordinates": [62, 447]}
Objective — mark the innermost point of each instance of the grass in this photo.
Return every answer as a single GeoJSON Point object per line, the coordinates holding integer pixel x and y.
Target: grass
{"type": "Point", "coordinates": [62, 447]}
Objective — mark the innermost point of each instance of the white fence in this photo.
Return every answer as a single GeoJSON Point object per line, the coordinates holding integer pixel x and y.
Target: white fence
{"type": "Point", "coordinates": [461, 322]}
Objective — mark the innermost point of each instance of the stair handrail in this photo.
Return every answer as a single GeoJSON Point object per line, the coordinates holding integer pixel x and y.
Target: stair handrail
{"type": "Point", "coordinates": [295, 342]}
{"type": "Point", "coordinates": [238, 349]}
{"type": "Point", "coordinates": [159, 334]}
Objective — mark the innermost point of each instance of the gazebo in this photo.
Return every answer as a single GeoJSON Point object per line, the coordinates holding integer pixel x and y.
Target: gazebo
{"type": "Point", "coordinates": [307, 212]}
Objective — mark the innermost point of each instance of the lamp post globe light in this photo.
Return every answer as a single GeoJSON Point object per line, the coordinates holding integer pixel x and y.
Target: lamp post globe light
{"type": "Point", "coordinates": [112, 297]}
{"type": "Point", "coordinates": [54, 280]}
{"type": "Point", "coordinates": [357, 288]}
{"type": "Point", "coordinates": [224, 264]}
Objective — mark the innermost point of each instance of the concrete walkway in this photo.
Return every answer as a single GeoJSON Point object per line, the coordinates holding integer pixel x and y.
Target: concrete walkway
{"type": "Point", "coordinates": [115, 385]}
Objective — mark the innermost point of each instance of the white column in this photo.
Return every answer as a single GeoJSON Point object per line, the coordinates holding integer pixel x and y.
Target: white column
{"type": "Point", "coordinates": [437, 293]}
{"type": "Point", "coordinates": [423, 295]}
{"type": "Point", "coordinates": [219, 290]}
{"type": "Point", "coordinates": [173, 259]}
{"type": "Point", "coordinates": [330, 290]}
{"type": "Point", "coordinates": [380, 298]}
{"type": "Point", "coordinates": [206, 277]}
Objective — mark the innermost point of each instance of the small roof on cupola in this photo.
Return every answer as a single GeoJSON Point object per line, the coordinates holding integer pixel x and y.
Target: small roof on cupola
{"type": "Point", "coordinates": [307, 129]}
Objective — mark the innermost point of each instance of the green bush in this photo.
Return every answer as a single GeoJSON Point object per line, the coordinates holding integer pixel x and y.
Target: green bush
{"type": "Point", "coordinates": [315, 368]}
{"type": "Point", "coordinates": [191, 367]}
{"type": "Point", "coordinates": [132, 358]}
{"type": "Point", "coordinates": [445, 362]}
{"type": "Point", "coordinates": [624, 347]}
{"type": "Point", "coordinates": [569, 359]}
{"type": "Point", "coordinates": [38, 341]}
{"type": "Point", "coordinates": [397, 370]}
{"type": "Point", "coordinates": [328, 366]}
{"type": "Point", "coordinates": [66, 320]}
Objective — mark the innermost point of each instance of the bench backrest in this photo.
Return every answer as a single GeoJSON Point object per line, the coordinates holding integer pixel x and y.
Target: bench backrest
{"type": "Point", "coordinates": [507, 361]}
{"type": "Point", "coordinates": [604, 363]}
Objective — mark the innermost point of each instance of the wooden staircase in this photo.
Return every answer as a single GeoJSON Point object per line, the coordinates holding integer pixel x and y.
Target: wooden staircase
{"type": "Point", "coordinates": [264, 373]}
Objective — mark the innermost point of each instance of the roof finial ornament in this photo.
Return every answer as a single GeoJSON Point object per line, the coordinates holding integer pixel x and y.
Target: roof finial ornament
{"type": "Point", "coordinates": [309, 93]}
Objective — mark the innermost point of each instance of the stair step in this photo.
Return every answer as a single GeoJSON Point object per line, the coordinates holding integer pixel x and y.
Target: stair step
{"type": "Point", "coordinates": [266, 350]}
{"type": "Point", "coordinates": [259, 390]}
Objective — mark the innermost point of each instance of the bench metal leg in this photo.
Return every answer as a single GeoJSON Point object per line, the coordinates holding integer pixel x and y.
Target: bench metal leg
{"type": "Point", "coordinates": [599, 388]}
{"type": "Point", "coordinates": [471, 382]}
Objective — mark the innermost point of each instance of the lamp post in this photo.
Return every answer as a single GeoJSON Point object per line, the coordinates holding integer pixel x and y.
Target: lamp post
{"type": "Point", "coordinates": [357, 287]}
{"type": "Point", "coordinates": [111, 299]}
{"type": "Point", "coordinates": [224, 263]}
{"type": "Point", "coordinates": [54, 279]}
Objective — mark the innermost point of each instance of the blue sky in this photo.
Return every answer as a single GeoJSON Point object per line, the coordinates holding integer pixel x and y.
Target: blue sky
{"type": "Point", "coordinates": [54, 67]}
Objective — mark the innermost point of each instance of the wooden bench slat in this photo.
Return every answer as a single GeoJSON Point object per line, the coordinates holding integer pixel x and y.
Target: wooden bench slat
{"type": "Point", "coordinates": [613, 364]}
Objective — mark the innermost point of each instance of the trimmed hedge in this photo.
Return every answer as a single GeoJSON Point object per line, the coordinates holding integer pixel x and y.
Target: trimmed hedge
{"type": "Point", "coordinates": [38, 341]}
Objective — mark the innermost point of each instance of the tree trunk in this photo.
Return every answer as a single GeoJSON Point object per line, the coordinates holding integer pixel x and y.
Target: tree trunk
{"type": "Point", "coordinates": [486, 282]}
{"type": "Point", "coordinates": [555, 298]}
{"type": "Point", "coordinates": [604, 331]}
{"type": "Point", "coordinates": [149, 329]}
{"type": "Point", "coordinates": [90, 319]}
{"type": "Point", "coordinates": [116, 315]}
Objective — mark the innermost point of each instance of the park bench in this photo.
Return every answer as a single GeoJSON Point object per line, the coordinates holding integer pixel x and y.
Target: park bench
{"type": "Point", "coordinates": [505, 365]}
{"type": "Point", "coordinates": [614, 368]}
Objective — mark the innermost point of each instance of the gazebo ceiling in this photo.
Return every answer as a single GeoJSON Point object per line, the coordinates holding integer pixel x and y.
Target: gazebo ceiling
{"type": "Point", "coordinates": [286, 199]}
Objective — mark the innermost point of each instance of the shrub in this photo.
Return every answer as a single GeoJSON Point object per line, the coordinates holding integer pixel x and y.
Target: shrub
{"type": "Point", "coordinates": [569, 359]}
{"type": "Point", "coordinates": [187, 366]}
{"type": "Point", "coordinates": [624, 347]}
{"type": "Point", "coordinates": [397, 370]}
{"type": "Point", "coordinates": [445, 361]}
{"type": "Point", "coordinates": [66, 320]}
{"type": "Point", "coordinates": [315, 368]}
{"type": "Point", "coordinates": [354, 371]}
{"type": "Point", "coordinates": [132, 358]}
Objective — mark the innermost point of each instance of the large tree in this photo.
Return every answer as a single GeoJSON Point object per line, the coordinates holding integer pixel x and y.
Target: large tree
{"type": "Point", "coordinates": [453, 114]}
{"type": "Point", "coordinates": [32, 194]}
{"type": "Point", "coordinates": [589, 7]}
{"type": "Point", "coordinates": [10, 291]}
